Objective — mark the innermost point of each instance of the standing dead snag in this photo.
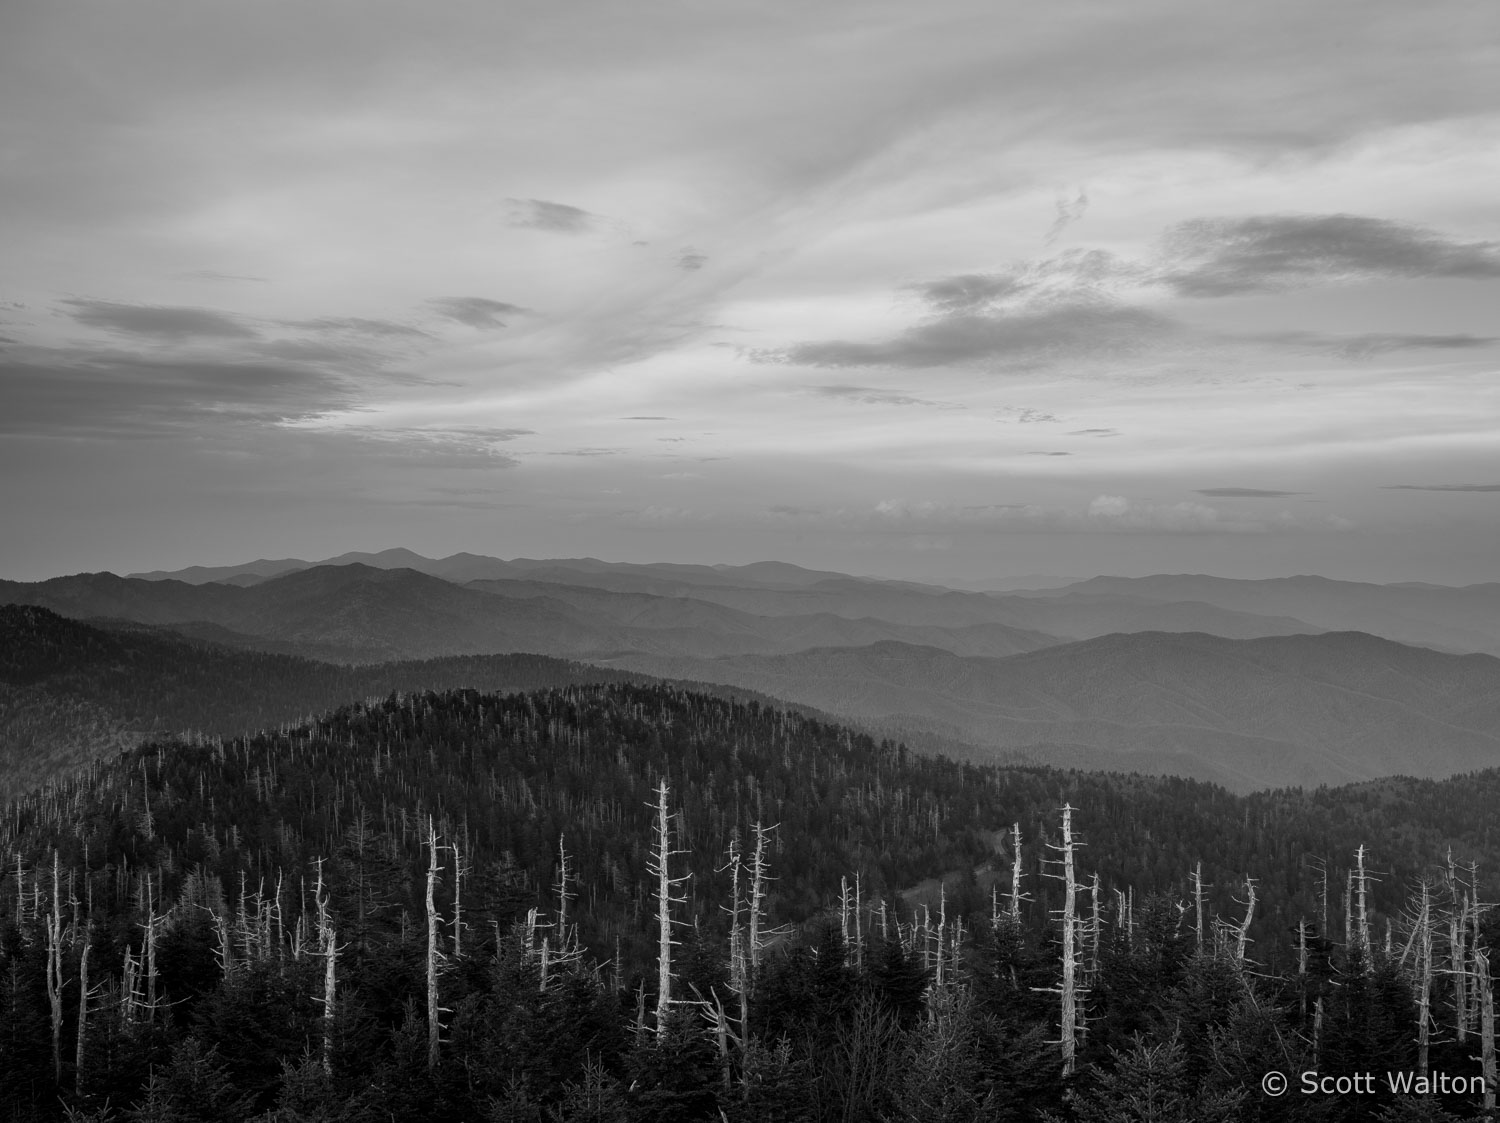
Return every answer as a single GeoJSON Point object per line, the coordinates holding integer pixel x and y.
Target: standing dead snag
{"type": "Point", "coordinates": [54, 974]}
{"type": "Point", "coordinates": [328, 943]}
{"type": "Point", "coordinates": [1486, 1026]}
{"type": "Point", "coordinates": [1068, 990]}
{"type": "Point", "coordinates": [433, 954]}
{"type": "Point", "coordinates": [666, 896]}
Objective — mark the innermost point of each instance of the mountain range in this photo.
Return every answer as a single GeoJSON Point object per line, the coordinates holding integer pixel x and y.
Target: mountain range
{"type": "Point", "coordinates": [1246, 683]}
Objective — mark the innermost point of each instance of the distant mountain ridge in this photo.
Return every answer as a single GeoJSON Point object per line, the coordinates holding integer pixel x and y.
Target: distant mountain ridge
{"type": "Point", "coordinates": [1453, 618]}
{"type": "Point", "coordinates": [1275, 711]}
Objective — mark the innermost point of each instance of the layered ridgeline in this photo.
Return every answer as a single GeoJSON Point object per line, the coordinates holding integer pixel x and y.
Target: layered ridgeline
{"type": "Point", "coordinates": [1283, 710]}
{"type": "Point", "coordinates": [448, 907]}
{"type": "Point", "coordinates": [71, 693]}
{"type": "Point", "coordinates": [1244, 699]}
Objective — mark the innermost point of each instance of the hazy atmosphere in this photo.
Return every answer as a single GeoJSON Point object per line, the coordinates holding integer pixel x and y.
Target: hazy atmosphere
{"type": "Point", "coordinates": [946, 291]}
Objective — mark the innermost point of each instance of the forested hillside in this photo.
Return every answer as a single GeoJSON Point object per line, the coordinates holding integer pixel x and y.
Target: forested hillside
{"type": "Point", "coordinates": [71, 693]}
{"type": "Point", "coordinates": [372, 917]}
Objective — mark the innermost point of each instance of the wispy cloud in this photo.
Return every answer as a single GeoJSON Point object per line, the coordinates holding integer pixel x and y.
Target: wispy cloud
{"type": "Point", "coordinates": [540, 214]}
{"type": "Point", "coordinates": [1443, 487]}
{"type": "Point", "coordinates": [158, 321]}
{"type": "Point", "coordinates": [1245, 493]}
{"type": "Point", "coordinates": [1069, 331]}
{"type": "Point", "coordinates": [865, 395]}
{"type": "Point", "coordinates": [1105, 513]}
{"type": "Point", "coordinates": [357, 325]}
{"type": "Point", "coordinates": [475, 311]}
{"type": "Point", "coordinates": [691, 261]}
{"type": "Point", "coordinates": [1269, 253]}
{"type": "Point", "coordinates": [1370, 344]}
{"type": "Point", "coordinates": [125, 395]}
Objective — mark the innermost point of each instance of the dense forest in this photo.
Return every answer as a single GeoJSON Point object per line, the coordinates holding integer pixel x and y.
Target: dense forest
{"type": "Point", "coordinates": [627, 902]}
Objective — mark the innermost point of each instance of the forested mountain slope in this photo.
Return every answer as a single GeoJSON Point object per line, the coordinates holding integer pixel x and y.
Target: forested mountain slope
{"type": "Point", "coordinates": [236, 858]}
{"type": "Point", "coordinates": [71, 693]}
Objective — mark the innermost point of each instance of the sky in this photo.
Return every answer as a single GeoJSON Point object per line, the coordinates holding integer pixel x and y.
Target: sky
{"type": "Point", "coordinates": [952, 290]}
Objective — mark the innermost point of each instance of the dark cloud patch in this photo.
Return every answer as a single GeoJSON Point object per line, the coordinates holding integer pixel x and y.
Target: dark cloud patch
{"type": "Point", "coordinates": [1064, 331]}
{"type": "Point", "coordinates": [539, 214]}
{"type": "Point", "coordinates": [1210, 257]}
{"type": "Point", "coordinates": [355, 325]}
{"type": "Point", "coordinates": [1069, 211]}
{"type": "Point", "coordinates": [1039, 453]}
{"type": "Point", "coordinates": [647, 417]}
{"type": "Point", "coordinates": [691, 261]}
{"type": "Point", "coordinates": [968, 291]}
{"type": "Point", "coordinates": [121, 395]}
{"type": "Point", "coordinates": [1442, 487]}
{"type": "Point", "coordinates": [589, 452]}
{"type": "Point", "coordinates": [1375, 343]}
{"type": "Point", "coordinates": [1094, 433]}
{"type": "Point", "coordinates": [158, 321]}
{"type": "Point", "coordinates": [476, 311]}
{"type": "Point", "coordinates": [1246, 493]}
{"type": "Point", "coordinates": [1034, 417]}
{"type": "Point", "coordinates": [308, 351]}
{"type": "Point", "coordinates": [868, 396]}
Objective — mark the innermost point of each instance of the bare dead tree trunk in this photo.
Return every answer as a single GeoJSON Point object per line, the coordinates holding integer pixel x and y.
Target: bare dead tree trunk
{"type": "Point", "coordinates": [1486, 1026]}
{"type": "Point", "coordinates": [666, 897]}
{"type": "Point", "coordinates": [758, 879]}
{"type": "Point", "coordinates": [1015, 872]}
{"type": "Point", "coordinates": [54, 973]}
{"type": "Point", "coordinates": [1198, 905]}
{"type": "Point", "coordinates": [1424, 982]}
{"type": "Point", "coordinates": [83, 1009]}
{"type": "Point", "coordinates": [432, 949]}
{"type": "Point", "coordinates": [1068, 990]}
{"type": "Point", "coordinates": [459, 869]}
{"type": "Point", "coordinates": [1243, 936]}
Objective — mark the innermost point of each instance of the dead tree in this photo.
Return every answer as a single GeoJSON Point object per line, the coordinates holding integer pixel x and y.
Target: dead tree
{"type": "Point", "coordinates": [1486, 1026]}
{"type": "Point", "coordinates": [434, 954]}
{"type": "Point", "coordinates": [667, 895]}
{"type": "Point", "coordinates": [54, 973]}
{"type": "Point", "coordinates": [1068, 989]}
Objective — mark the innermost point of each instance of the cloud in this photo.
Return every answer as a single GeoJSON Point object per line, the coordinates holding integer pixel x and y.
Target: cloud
{"type": "Point", "coordinates": [1041, 453]}
{"type": "Point", "coordinates": [539, 214]}
{"type": "Point", "coordinates": [589, 452]}
{"type": "Point", "coordinates": [1442, 487]}
{"type": "Point", "coordinates": [691, 261]}
{"type": "Point", "coordinates": [647, 417]}
{"type": "Point", "coordinates": [1209, 257]}
{"type": "Point", "coordinates": [1245, 493]}
{"type": "Point", "coordinates": [1094, 433]}
{"type": "Point", "coordinates": [1104, 514]}
{"type": "Point", "coordinates": [867, 396]}
{"type": "Point", "coordinates": [1068, 212]}
{"type": "Point", "coordinates": [359, 326]}
{"type": "Point", "coordinates": [476, 311]}
{"type": "Point", "coordinates": [1372, 343]}
{"type": "Point", "coordinates": [1068, 331]}
{"type": "Point", "coordinates": [968, 291]}
{"type": "Point", "coordinates": [60, 392]}
{"type": "Point", "coordinates": [158, 321]}
{"type": "Point", "coordinates": [1067, 277]}
{"type": "Point", "coordinates": [423, 448]}
{"type": "Point", "coordinates": [1115, 512]}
